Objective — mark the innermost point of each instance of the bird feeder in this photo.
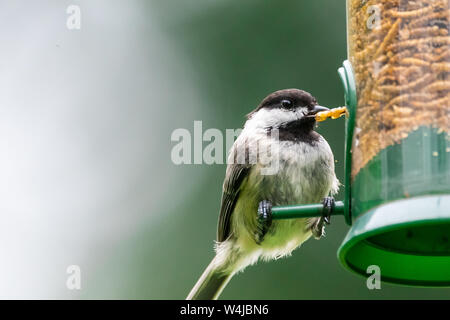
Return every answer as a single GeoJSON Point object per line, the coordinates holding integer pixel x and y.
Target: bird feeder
{"type": "Point", "coordinates": [397, 165]}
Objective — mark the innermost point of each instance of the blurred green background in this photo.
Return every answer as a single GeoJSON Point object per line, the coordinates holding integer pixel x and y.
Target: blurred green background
{"type": "Point", "coordinates": [86, 121]}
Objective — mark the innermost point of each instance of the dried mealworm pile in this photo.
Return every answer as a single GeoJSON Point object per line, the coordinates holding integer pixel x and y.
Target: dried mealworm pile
{"type": "Point", "coordinates": [401, 63]}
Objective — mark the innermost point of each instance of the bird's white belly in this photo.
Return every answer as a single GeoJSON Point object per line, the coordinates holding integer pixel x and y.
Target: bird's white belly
{"type": "Point", "coordinates": [286, 235]}
{"type": "Point", "coordinates": [306, 175]}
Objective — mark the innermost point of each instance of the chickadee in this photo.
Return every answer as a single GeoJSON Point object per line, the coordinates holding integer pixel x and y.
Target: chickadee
{"type": "Point", "coordinates": [305, 175]}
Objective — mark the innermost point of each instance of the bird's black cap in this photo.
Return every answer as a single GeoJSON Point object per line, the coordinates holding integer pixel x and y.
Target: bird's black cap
{"type": "Point", "coordinates": [287, 98]}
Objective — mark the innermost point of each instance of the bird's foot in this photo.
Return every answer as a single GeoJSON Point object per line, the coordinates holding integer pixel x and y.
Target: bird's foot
{"type": "Point", "coordinates": [318, 228]}
{"type": "Point", "coordinates": [264, 219]}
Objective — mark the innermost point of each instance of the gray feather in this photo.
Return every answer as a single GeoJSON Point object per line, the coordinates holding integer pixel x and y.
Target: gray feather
{"type": "Point", "coordinates": [235, 175]}
{"type": "Point", "coordinates": [210, 284]}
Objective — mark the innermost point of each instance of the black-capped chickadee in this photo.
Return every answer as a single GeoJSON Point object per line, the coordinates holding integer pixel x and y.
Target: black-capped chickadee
{"type": "Point", "coordinates": [304, 173]}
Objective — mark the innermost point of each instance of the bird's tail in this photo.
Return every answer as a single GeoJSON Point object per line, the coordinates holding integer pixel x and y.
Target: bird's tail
{"type": "Point", "coordinates": [211, 283]}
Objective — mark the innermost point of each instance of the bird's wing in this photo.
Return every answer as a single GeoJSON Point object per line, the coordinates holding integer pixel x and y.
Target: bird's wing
{"type": "Point", "coordinates": [236, 174]}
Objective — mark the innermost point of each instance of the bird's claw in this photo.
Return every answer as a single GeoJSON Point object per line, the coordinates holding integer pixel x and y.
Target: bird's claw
{"type": "Point", "coordinates": [318, 229]}
{"type": "Point", "coordinates": [328, 207]}
{"type": "Point", "coordinates": [264, 219]}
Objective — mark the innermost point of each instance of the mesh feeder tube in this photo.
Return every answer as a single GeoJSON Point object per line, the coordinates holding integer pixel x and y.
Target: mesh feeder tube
{"type": "Point", "coordinates": [399, 162]}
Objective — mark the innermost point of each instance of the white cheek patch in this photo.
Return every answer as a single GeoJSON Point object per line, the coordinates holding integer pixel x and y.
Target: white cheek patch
{"type": "Point", "coordinates": [274, 118]}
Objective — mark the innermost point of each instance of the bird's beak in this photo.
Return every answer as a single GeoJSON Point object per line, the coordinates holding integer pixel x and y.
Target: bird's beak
{"type": "Point", "coordinates": [317, 109]}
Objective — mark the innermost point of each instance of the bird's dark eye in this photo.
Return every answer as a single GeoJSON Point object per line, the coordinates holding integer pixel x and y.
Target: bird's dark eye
{"type": "Point", "coordinates": [286, 103]}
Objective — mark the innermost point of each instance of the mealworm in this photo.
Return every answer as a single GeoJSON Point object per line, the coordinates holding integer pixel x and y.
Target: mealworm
{"type": "Point", "coordinates": [406, 87]}
{"type": "Point", "coordinates": [425, 19]}
{"type": "Point", "coordinates": [404, 98]}
{"type": "Point", "coordinates": [431, 104]}
{"type": "Point", "coordinates": [441, 67]}
{"type": "Point", "coordinates": [411, 14]}
{"type": "Point", "coordinates": [425, 31]}
{"type": "Point", "coordinates": [417, 42]}
{"type": "Point", "coordinates": [443, 56]}
{"type": "Point", "coordinates": [399, 56]}
{"type": "Point", "coordinates": [403, 111]}
{"type": "Point", "coordinates": [390, 35]}
{"type": "Point", "coordinates": [415, 62]}
{"type": "Point", "coordinates": [425, 56]}
{"type": "Point", "coordinates": [438, 86]}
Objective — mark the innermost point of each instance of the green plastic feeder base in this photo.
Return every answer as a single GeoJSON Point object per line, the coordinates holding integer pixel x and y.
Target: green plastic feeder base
{"type": "Point", "coordinates": [408, 239]}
